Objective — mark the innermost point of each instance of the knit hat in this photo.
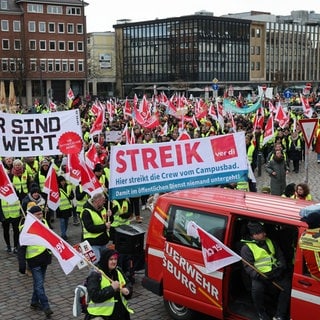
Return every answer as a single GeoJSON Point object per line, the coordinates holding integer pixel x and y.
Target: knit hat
{"type": "Point", "coordinates": [98, 167]}
{"type": "Point", "coordinates": [34, 188]}
{"type": "Point", "coordinates": [35, 209]}
{"type": "Point", "coordinates": [255, 228]}
{"type": "Point", "coordinates": [313, 220]}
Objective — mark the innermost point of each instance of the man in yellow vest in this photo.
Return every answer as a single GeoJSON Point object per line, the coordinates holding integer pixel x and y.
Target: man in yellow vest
{"type": "Point", "coordinates": [96, 222]}
{"type": "Point", "coordinates": [266, 266]}
{"type": "Point", "coordinates": [38, 258]}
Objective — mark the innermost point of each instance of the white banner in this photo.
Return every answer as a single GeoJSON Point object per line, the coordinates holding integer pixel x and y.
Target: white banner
{"type": "Point", "coordinates": [141, 169]}
{"type": "Point", "coordinates": [23, 135]}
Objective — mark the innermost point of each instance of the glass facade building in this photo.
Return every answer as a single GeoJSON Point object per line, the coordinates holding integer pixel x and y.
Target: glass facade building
{"type": "Point", "coordinates": [192, 50]}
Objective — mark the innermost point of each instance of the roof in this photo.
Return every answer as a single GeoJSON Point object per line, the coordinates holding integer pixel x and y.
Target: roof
{"type": "Point", "coordinates": [285, 209]}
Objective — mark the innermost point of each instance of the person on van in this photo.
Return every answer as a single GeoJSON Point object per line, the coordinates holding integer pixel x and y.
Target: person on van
{"type": "Point", "coordinates": [266, 266]}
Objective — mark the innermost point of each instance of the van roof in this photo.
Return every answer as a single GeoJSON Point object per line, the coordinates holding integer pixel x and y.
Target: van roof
{"type": "Point", "coordinates": [284, 210]}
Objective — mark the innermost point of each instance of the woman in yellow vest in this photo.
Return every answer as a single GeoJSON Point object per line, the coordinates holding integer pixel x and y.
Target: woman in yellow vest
{"type": "Point", "coordinates": [65, 209]}
{"type": "Point", "coordinates": [109, 290]}
{"type": "Point", "coordinates": [38, 258]}
{"type": "Point", "coordinates": [10, 216]}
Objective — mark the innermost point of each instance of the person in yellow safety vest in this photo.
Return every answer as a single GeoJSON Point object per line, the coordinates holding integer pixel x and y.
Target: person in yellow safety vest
{"type": "Point", "coordinates": [65, 209]}
{"type": "Point", "coordinates": [32, 166]}
{"type": "Point", "coordinates": [96, 222]}
{"type": "Point", "coordinates": [10, 216]}
{"type": "Point", "coordinates": [20, 178]}
{"type": "Point", "coordinates": [82, 197]}
{"type": "Point", "coordinates": [109, 289]}
{"type": "Point", "coordinates": [266, 265]}
{"type": "Point", "coordinates": [121, 212]}
{"type": "Point", "coordinates": [295, 150]}
{"type": "Point", "coordinates": [302, 192]}
{"type": "Point", "coordinates": [37, 258]}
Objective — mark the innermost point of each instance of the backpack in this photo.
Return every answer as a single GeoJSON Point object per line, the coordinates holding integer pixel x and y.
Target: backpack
{"type": "Point", "coordinates": [81, 300]}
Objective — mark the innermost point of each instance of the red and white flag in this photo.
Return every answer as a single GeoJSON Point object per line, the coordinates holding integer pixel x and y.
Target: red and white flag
{"type": "Point", "coordinates": [92, 156]}
{"type": "Point", "coordinates": [99, 112]}
{"type": "Point", "coordinates": [268, 130]}
{"type": "Point", "coordinates": [7, 192]}
{"type": "Point", "coordinates": [184, 135]}
{"type": "Point", "coordinates": [73, 174]}
{"type": "Point", "coordinates": [52, 105]}
{"type": "Point", "coordinates": [35, 232]}
{"type": "Point", "coordinates": [70, 94]}
{"type": "Point", "coordinates": [281, 117]}
{"type": "Point", "coordinates": [307, 110]}
{"type": "Point", "coordinates": [215, 254]}
{"type": "Point", "coordinates": [51, 189]}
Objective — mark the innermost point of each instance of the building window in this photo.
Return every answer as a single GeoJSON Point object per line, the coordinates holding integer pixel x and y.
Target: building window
{"type": "Point", "coordinates": [33, 65]}
{"type": "Point", "coordinates": [34, 8]}
{"type": "Point", "coordinates": [70, 45]}
{"type": "Point", "coordinates": [31, 26]}
{"type": "Point", "coordinates": [4, 65]}
{"type": "Point", "coordinates": [258, 66]}
{"type": "Point", "coordinates": [71, 66]}
{"type": "Point", "coordinates": [32, 45]}
{"type": "Point", "coordinates": [42, 45]}
{"type": "Point", "coordinates": [65, 65]}
{"type": "Point", "coordinates": [60, 27]}
{"type": "Point", "coordinates": [12, 65]}
{"type": "Point", "coordinates": [252, 66]}
{"type": "Point", "coordinates": [80, 45]}
{"type": "Point", "coordinates": [50, 65]}
{"type": "Point", "coordinates": [16, 26]}
{"type": "Point", "coordinates": [43, 65]}
{"type": "Point", "coordinates": [79, 28]}
{"type": "Point", "coordinates": [73, 11]}
{"type": "Point", "coordinates": [5, 44]}
{"type": "Point", "coordinates": [258, 50]}
{"type": "Point", "coordinates": [52, 27]}
{"type": "Point", "coordinates": [54, 10]}
{"type": "Point", "coordinates": [17, 44]}
{"type": "Point", "coordinates": [70, 28]}
{"type": "Point", "coordinates": [258, 33]}
{"type": "Point", "coordinates": [4, 4]}
{"type": "Point", "coordinates": [4, 25]}
{"type": "Point", "coordinates": [252, 50]}
{"type": "Point", "coordinates": [57, 65]}
{"type": "Point", "coordinates": [42, 27]}
{"type": "Point", "coordinates": [80, 66]}
{"type": "Point", "coordinates": [62, 46]}
{"type": "Point", "coordinates": [52, 45]}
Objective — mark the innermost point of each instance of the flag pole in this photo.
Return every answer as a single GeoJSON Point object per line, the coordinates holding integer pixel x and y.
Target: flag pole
{"type": "Point", "coordinates": [261, 274]}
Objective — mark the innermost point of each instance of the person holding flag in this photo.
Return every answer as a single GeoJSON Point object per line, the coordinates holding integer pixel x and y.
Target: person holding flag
{"type": "Point", "coordinates": [38, 258]}
{"type": "Point", "coordinates": [266, 266]}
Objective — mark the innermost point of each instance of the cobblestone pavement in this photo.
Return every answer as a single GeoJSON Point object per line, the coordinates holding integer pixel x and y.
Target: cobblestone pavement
{"type": "Point", "coordinates": [16, 288]}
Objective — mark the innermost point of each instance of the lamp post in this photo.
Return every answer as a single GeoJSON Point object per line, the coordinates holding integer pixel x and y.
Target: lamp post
{"type": "Point", "coordinates": [41, 85]}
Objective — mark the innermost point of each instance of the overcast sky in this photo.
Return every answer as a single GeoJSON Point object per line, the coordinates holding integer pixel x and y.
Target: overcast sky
{"type": "Point", "coordinates": [102, 14]}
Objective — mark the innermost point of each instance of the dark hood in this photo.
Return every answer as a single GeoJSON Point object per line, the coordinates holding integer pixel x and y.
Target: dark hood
{"type": "Point", "coordinates": [106, 254]}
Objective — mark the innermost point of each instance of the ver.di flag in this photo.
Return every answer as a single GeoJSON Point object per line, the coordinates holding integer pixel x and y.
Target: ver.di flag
{"type": "Point", "coordinates": [7, 192]}
{"type": "Point", "coordinates": [215, 254]}
{"type": "Point", "coordinates": [51, 188]}
{"type": "Point", "coordinates": [35, 232]}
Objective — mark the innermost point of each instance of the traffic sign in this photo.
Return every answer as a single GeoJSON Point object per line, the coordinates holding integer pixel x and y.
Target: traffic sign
{"type": "Point", "coordinates": [215, 87]}
{"type": "Point", "coordinates": [308, 127]}
{"type": "Point", "coordinates": [287, 94]}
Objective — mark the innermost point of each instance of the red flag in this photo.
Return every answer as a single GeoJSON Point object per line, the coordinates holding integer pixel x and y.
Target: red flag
{"type": "Point", "coordinates": [164, 130]}
{"type": "Point", "coordinates": [184, 135]}
{"type": "Point", "coordinates": [215, 254]}
{"type": "Point", "coordinates": [111, 109]}
{"type": "Point", "coordinates": [89, 181]}
{"type": "Point", "coordinates": [7, 192]}
{"type": "Point", "coordinates": [307, 110]}
{"type": "Point", "coordinates": [35, 232]}
{"type": "Point", "coordinates": [99, 121]}
{"type": "Point", "coordinates": [144, 108]}
{"type": "Point", "coordinates": [92, 156]}
{"type": "Point", "coordinates": [51, 189]}
{"type": "Point", "coordinates": [268, 130]}
{"type": "Point", "coordinates": [73, 174]}
{"type": "Point", "coordinates": [281, 117]}
{"type": "Point", "coordinates": [127, 108]}
{"type": "Point", "coordinates": [52, 105]}
{"type": "Point", "coordinates": [70, 94]}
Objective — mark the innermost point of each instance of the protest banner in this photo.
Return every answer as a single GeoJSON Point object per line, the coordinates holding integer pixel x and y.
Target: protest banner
{"type": "Point", "coordinates": [25, 135]}
{"type": "Point", "coordinates": [142, 169]}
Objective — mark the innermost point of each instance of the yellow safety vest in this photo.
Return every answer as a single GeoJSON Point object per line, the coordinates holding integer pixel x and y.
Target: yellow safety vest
{"type": "Point", "coordinates": [10, 210]}
{"type": "Point", "coordinates": [97, 220]}
{"type": "Point", "coordinates": [121, 209]}
{"type": "Point", "coordinates": [263, 261]}
{"type": "Point", "coordinates": [21, 184]}
{"type": "Point", "coordinates": [106, 308]}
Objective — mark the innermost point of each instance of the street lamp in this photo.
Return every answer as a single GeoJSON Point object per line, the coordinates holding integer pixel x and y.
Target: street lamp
{"type": "Point", "coordinates": [41, 84]}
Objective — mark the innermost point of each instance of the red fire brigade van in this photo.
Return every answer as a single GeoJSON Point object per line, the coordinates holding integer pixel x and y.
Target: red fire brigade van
{"type": "Point", "coordinates": [174, 263]}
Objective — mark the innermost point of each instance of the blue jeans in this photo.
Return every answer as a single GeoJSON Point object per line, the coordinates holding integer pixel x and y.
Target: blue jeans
{"type": "Point", "coordinates": [39, 295]}
{"type": "Point", "coordinates": [64, 226]}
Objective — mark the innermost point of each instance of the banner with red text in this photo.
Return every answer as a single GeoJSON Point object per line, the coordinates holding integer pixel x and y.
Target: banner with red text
{"type": "Point", "coordinates": [23, 135]}
{"type": "Point", "coordinates": [142, 169]}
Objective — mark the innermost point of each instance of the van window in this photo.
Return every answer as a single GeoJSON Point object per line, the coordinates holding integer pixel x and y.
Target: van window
{"type": "Point", "coordinates": [180, 217]}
